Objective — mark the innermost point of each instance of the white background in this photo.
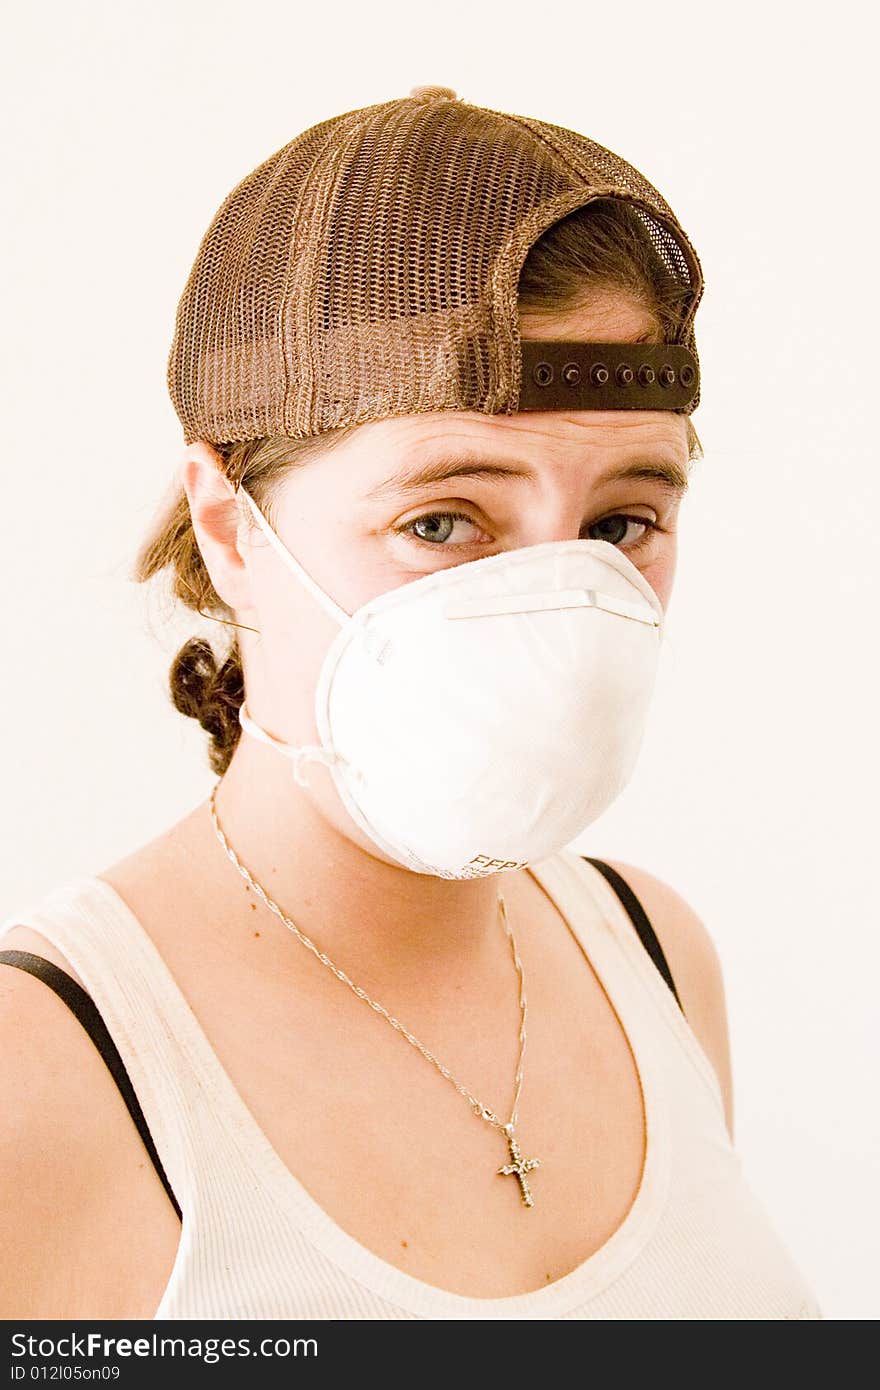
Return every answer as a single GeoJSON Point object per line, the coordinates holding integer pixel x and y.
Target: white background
{"type": "Point", "coordinates": [124, 128]}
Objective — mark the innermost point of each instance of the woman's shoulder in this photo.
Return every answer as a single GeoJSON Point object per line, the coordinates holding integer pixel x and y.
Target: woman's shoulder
{"type": "Point", "coordinates": [71, 1162]}
{"type": "Point", "coordinates": [695, 965]}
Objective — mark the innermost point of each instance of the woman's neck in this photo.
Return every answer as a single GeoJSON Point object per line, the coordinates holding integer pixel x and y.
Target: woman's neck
{"type": "Point", "coordinates": [384, 925]}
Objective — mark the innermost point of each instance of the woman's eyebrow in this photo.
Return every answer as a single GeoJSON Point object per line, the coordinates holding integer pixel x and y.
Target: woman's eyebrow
{"type": "Point", "coordinates": [670, 474]}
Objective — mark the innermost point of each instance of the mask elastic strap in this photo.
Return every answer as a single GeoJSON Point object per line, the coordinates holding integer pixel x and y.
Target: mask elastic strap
{"type": "Point", "coordinates": [330, 605]}
{"type": "Point", "coordinates": [305, 752]}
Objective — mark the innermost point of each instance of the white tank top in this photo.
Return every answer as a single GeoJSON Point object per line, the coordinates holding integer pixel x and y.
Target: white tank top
{"type": "Point", "coordinates": [696, 1242]}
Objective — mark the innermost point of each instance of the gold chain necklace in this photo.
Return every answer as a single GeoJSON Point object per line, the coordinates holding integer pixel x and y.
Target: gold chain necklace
{"type": "Point", "coordinates": [518, 1166]}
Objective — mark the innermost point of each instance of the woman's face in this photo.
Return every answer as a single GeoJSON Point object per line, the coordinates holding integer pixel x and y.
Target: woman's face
{"type": "Point", "coordinates": [406, 496]}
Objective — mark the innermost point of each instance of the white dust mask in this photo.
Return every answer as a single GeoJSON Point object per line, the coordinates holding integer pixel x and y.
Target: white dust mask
{"type": "Point", "coordinates": [477, 719]}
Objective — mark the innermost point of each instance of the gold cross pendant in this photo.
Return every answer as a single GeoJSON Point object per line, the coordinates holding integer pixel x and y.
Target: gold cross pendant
{"type": "Point", "coordinates": [519, 1166]}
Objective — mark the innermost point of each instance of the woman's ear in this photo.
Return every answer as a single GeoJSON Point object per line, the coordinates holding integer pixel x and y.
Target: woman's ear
{"type": "Point", "coordinates": [216, 518]}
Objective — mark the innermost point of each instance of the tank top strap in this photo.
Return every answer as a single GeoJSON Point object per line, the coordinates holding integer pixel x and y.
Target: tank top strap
{"type": "Point", "coordinates": [173, 1069]}
{"type": "Point", "coordinates": [82, 1006]}
{"type": "Point", "coordinates": [640, 919]}
{"type": "Point", "coordinates": [607, 931]}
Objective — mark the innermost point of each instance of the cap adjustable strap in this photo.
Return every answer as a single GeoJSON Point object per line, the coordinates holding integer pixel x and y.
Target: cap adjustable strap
{"type": "Point", "coordinates": [607, 376]}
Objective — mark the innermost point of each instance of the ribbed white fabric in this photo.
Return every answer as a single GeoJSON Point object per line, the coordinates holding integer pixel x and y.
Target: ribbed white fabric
{"type": "Point", "coordinates": [696, 1243]}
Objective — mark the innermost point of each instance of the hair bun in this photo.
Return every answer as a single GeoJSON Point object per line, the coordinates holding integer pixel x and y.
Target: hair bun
{"type": "Point", "coordinates": [210, 693]}
{"type": "Point", "coordinates": [192, 677]}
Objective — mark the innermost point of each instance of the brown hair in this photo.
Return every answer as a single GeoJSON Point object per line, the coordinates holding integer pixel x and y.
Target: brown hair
{"type": "Point", "coordinates": [603, 246]}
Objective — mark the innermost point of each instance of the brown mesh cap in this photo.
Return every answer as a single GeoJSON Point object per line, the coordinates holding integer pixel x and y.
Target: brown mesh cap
{"type": "Point", "coordinates": [369, 268]}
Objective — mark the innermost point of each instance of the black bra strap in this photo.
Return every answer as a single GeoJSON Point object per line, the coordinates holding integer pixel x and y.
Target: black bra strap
{"type": "Point", "coordinates": [640, 919]}
{"type": "Point", "coordinates": [82, 1004]}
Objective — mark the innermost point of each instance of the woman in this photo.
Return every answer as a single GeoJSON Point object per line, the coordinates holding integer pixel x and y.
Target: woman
{"type": "Point", "coordinates": [435, 367]}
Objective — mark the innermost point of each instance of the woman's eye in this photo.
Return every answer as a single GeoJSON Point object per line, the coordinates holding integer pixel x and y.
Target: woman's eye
{"type": "Point", "coordinates": [614, 529]}
{"type": "Point", "coordinates": [434, 528]}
